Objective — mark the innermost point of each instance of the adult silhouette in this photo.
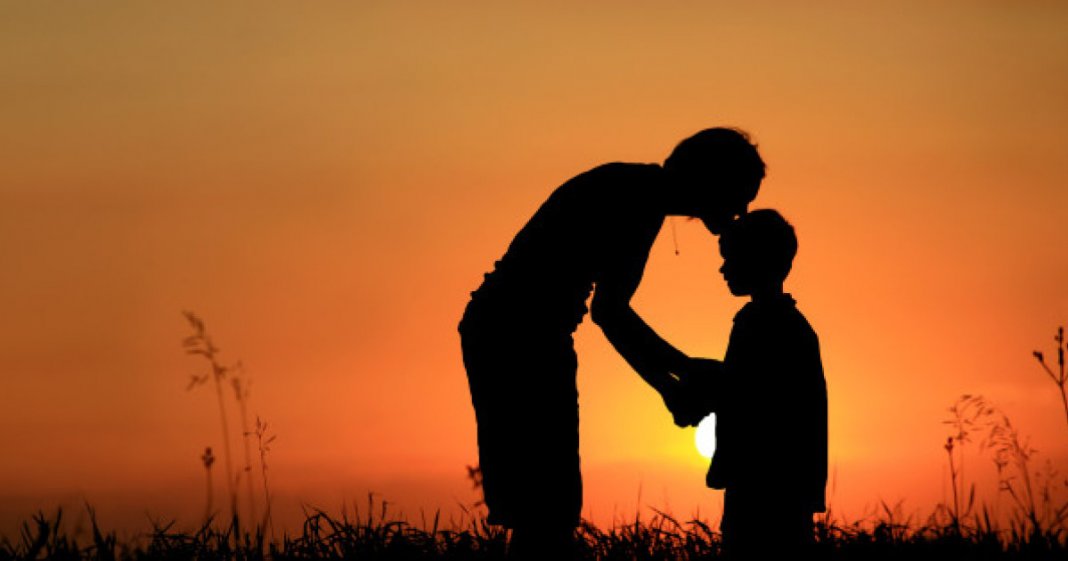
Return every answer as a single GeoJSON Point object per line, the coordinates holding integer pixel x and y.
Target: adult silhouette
{"type": "Point", "coordinates": [592, 235]}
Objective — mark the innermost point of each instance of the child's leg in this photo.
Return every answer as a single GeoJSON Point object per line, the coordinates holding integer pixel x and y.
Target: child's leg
{"type": "Point", "coordinates": [741, 525]}
{"type": "Point", "coordinates": [758, 523]}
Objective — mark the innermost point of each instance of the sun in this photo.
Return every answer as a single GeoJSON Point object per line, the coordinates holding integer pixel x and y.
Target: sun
{"type": "Point", "coordinates": [705, 437]}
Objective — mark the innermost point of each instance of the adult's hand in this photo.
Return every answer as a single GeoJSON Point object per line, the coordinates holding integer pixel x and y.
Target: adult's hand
{"type": "Point", "coordinates": [698, 390]}
{"type": "Point", "coordinates": [686, 411]}
{"type": "Point", "coordinates": [699, 372]}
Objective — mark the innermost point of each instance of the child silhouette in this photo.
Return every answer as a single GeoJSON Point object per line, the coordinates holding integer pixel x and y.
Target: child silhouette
{"type": "Point", "coordinates": [770, 398]}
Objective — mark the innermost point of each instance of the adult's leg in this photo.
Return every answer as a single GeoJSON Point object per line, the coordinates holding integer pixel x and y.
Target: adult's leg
{"type": "Point", "coordinates": [486, 378]}
{"type": "Point", "coordinates": [551, 487]}
{"type": "Point", "coordinates": [523, 389]}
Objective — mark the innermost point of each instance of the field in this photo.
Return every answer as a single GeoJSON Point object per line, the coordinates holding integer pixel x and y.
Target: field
{"type": "Point", "coordinates": [1031, 523]}
{"type": "Point", "coordinates": [374, 534]}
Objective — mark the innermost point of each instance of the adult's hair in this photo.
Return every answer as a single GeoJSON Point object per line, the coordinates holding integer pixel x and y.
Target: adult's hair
{"type": "Point", "coordinates": [763, 239]}
{"type": "Point", "coordinates": [725, 156]}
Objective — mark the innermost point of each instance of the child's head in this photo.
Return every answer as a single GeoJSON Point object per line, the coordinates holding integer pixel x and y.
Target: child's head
{"type": "Point", "coordinates": [758, 249]}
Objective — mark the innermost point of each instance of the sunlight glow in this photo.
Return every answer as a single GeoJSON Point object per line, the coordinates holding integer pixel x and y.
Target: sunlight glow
{"type": "Point", "coordinates": [705, 437]}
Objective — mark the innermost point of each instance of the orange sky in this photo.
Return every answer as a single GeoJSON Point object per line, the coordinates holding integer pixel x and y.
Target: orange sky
{"type": "Point", "coordinates": [325, 182]}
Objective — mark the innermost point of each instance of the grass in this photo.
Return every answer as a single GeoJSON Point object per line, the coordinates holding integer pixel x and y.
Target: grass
{"type": "Point", "coordinates": [200, 343]}
{"type": "Point", "coordinates": [377, 535]}
{"type": "Point", "coordinates": [1036, 527]}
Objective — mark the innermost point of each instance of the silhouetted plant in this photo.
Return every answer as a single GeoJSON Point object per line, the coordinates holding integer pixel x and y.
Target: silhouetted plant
{"type": "Point", "coordinates": [1036, 515]}
{"type": "Point", "coordinates": [968, 415]}
{"type": "Point", "coordinates": [1060, 377]}
{"type": "Point", "coordinates": [208, 459]}
{"type": "Point", "coordinates": [474, 475]}
{"type": "Point", "coordinates": [200, 343]}
{"type": "Point", "coordinates": [1012, 457]}
{"type": "Point", "coordinates": [264, 440]}
{"type": "Point", "coordinates": [241, 394]}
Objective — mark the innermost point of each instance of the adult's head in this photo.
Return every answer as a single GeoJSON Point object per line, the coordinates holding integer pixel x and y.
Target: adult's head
{"type": "Point", "coordinates": [758, 251]}
{"type": "Point", "coordinates": [716, 174]}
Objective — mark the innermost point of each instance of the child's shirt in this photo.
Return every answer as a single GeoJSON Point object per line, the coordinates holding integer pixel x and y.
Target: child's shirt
{"type": "Point", "coordinates": [771, 425]}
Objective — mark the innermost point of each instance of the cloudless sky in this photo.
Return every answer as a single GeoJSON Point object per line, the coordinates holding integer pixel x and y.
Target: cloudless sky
{"type": "Point", "coordinates": [325, 182]}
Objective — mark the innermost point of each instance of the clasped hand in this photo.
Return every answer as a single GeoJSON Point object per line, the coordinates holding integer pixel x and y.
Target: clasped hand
{"type": "Point", "coordinates": [692, 396]}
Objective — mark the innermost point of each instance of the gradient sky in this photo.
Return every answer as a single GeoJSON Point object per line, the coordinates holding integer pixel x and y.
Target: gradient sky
{"type": "Point", "coordinates": [325, 182]}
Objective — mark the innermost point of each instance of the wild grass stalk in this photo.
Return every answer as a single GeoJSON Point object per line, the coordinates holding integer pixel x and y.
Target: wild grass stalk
{"type": "Point", "coordinates": [1060, 377]}
{"type": "Point", "coordinates": [967, 416]}
{"type": "Point", "coordinates": [200, 343]}
{"type": "Point", "coordinates": [241, 394]}
{"type": "Point", "coordinates": [264, 441]}
{"type": "Point", "coordinates": [208, 459]}
{"type": "Point", "coordinates": [1036, 513]}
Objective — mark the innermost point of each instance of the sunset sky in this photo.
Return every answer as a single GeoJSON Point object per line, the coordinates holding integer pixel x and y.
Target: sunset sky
{"type": "Point", "coordinates": [324, 183]}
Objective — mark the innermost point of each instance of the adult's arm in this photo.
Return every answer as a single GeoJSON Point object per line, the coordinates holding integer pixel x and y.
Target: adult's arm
{"type": "Point", "coordinates": [653, 358]}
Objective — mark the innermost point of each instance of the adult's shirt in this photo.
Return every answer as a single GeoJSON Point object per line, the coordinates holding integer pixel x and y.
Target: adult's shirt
{"type": "Point", "coordinates": [592, 225]}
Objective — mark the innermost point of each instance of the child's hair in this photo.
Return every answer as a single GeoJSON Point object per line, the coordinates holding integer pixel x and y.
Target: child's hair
{"type": "Point", "coordinates": [764, 240]}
